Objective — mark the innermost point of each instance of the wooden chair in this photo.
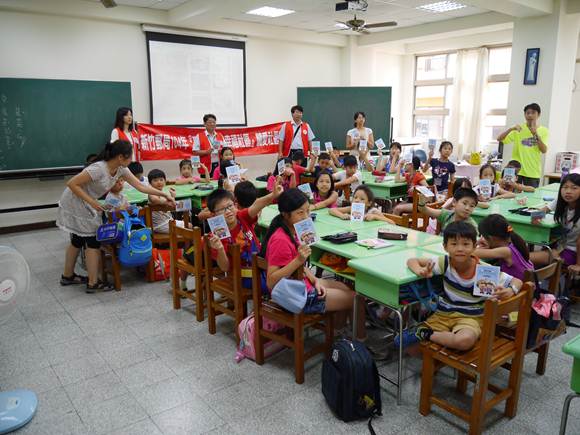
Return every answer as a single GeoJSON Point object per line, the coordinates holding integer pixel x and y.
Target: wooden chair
{"type": "Point", "coordinates": [109, 252]}
{"type": "Point", "coordinates": [233, 300]}
{"type": "Point", "coordinates": [190, 238]}
{"type": "Point", "coordinates": [294, 323]}
{"type": "Point", "coordinates": [416, 214]}
{"type": "Point", "coordinates": [346, 191]}
{"type": "Point", "coordinates": [476, 364]}
{"type": "Point", "coordinates": [552, 273]}
{"type": "Point", "coordinates": [160, 240]}
{"type": "Point", "coordinates": [307, 177]}
{"type": "Point", "coordinates": [402, 221]}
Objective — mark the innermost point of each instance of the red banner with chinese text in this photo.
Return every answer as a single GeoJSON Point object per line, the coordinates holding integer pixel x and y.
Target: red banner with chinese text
{"type": "Point", "coordinates": [159, 142]}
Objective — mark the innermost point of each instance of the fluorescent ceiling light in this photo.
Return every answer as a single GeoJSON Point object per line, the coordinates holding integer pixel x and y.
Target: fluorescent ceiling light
{"type": "Point", "coordinates": [341, 26]}
{"type": "Point", "coordinates": [444, 6]}
{"type": "Point", "coordinates": [267, 11]}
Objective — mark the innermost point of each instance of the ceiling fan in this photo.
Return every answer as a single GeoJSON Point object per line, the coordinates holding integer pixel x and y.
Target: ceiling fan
{"type": "Point", "coordinates": [109, 3]}
{"type": "Point", "coordinates": [360, 26]}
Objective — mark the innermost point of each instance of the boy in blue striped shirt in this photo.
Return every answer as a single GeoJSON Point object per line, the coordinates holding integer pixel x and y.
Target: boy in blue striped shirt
{"type": "Point", "coordinates": [457, 322]}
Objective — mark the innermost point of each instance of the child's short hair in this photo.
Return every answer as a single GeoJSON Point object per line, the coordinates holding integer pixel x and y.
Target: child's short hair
{"type": "Point", "coordinates": [350, 161]}
{"type": "Point", "coordinates": [184, 162]}
{"type": "Point", "coordinates": [298, 156]}
{"type": "Point", "coordinates": [367, 190]}
{"type": "Point", "coordinates": [324, 156]}
{"type": "Point", "coordinates": [445, 142]}
{"type": "Point", "coordinates": [315, 182]}
{"type": "Point", "coordinates": [91, 158]}
{"type": "Point", "coordinates": [533, 106]}
{"type": "Point", "coordinates": [459, 230]}
{"type": "Point", "coordinates": [514, 164]}
{"type": "Point", "coordinates": [416, 163]}
{"type": "Point", "coordinates": [483, 168]}
{"type": "Point", "coordinates": [217, 196]}
{"type": "Point", "coordinates": [463, 192]}
{"type": "Point", "coordinates": [396, 145]}
{"type": "Point", "coordinates": [460, 181]}
{"type": "Point", "coordinates": [135, 168]}
{"type": "Point", "coordinates": [155, 173]}
{"type": "Point", "coordinates": [245, 193]}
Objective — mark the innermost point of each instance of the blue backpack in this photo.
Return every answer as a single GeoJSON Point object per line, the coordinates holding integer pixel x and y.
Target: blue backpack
{"type": "Point", "coordinates": [136, 246]}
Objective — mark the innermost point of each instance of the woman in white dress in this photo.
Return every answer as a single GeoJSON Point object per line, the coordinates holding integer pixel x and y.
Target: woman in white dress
{"type": "Point", "coordinates": [124, 129]}
{"type": "Point", "coordinates": [358, 133]}
{"type": "Point", "coordinates": [80, 213]}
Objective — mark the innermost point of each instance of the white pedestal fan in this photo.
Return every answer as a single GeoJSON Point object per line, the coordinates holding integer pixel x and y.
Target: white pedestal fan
{"type": "Point", "coordinates": [17, 407]}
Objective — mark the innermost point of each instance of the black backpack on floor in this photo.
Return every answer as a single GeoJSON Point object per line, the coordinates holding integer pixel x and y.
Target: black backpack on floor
{"type": "Point", "coordinates": [350, 382]}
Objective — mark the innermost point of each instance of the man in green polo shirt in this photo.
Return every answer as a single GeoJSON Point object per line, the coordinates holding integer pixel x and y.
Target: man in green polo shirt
{"type": "Point", "coordinates": [530, 142]}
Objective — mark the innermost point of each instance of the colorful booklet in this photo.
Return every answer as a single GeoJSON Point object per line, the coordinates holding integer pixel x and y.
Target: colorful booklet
{"type": "Point", "coordinates": [195, 162]}
{"type": "Point", "coordinates": [374, 243]}
{"type": "Point", "coordinates": [537, 216]}
{"type": "Point", "coordinates": [316, 147]}
{"type": "Point", "coordinates": [306, 232]}
{"type": "Point", "coordinates": [219, 227]}
{"type": "Point", "coordinates": [234, 174]}
{"type": "Point", "coordinates": [509, 175]}
{"type": "Point", "coordinates": [183, 205]}
{"type": "Point", "coordinates": [486, 280]}
{"type": "Point", "coordinates": [328, 146]}
{"type": "Point", "coordinates": [431, 144]}
{"type": "Point", "coordinates": [357, 212]}
{"type": "Point", "coordinates": [195, 146]}
{"type": "Point", "coordinates": [380, 143]}
{"type": "Point", "coordinates": [307, 190]}
{"type": "Point", "coordinates": [362, 145]}
{"type": "Point", "coordinates": [281, 167]}
{"type": "Point", "coordinates": [485, 188]}
{"type": "Point", "coordinates": [425, 195]}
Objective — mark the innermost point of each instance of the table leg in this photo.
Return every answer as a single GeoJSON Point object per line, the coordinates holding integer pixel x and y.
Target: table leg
{"type": "Point", "coordinates": [564, 420]}
{"type": "Point", "coordinates": [400, 362]}
{"type": "Point", "coordinates": [355, 317]}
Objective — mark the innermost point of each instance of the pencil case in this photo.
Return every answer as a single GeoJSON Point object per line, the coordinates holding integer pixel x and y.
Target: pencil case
{"type": "Point", "coordinates": [341, 238]}
{"type": "Point", "coordinates": [391, 235]}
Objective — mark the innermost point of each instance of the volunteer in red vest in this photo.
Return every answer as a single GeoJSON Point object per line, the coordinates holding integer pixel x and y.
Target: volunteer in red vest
{"type": "Point", "coordinates": [295, 135]}
{"type": "Point", "coordinates": [125, 129]}
{"type": "Point", "coordinates": [208, 143]}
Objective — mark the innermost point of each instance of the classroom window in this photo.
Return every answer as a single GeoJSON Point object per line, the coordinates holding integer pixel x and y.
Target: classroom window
{"type": "Point", "coordinates": [495, 98]}
{"type": "Point", "coordinates": [433, 94]}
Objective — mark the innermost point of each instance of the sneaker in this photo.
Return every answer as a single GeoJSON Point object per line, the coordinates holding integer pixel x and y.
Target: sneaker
{"type": "Point", "coordinates": [423, 333]}
{"type": "Point", "coordinates": [73, 280]}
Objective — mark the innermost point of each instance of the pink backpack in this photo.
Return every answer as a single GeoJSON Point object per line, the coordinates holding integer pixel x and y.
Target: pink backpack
{"type": "Point", "coordinates": [246, 331]}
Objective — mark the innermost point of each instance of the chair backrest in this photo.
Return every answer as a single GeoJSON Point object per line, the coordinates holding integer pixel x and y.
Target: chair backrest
{"type": "Point", "coordinates": [234, 257]}
{"type": "Point", "coordinates": [402, 221]}
{"type": "Point", "coordinates": [111, 215]}
{"type": "Point", "coordinates": [550, 272]}
{"type": "Point", "coordinates": [416, 214]}
{"type": "Point", "coordinates": [189, 237]}
{"type": "Point", "coordinates": [150, 208]}
{"type": "Point", "coordinates": [493, 314]}
{"type": "Point", "coordinates": [259, 265]}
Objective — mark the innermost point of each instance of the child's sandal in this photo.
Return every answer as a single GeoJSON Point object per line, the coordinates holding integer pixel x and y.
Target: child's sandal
{"type": "Point", "coordinates": [73, 280]}
{"type": "Point", "coordinates": [100, 286]}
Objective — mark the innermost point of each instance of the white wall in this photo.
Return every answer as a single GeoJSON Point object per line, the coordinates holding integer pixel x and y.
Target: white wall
{"type": "Point", "coordinates": [42, 46]}
{"type": "Point", "coordinates": [573, 136]}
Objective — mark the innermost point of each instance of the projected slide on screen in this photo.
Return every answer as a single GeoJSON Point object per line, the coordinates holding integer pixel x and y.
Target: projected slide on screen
{"type": "Point", "coordinates": [193, 76]}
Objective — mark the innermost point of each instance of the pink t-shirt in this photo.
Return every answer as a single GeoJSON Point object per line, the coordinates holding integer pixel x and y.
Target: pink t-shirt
{"type": "Point", "coordinates": [216, 173]}
{"type": "Point", "coordinates": [281, 251]}
{"type": "Point", "coordinates": [318, 198]}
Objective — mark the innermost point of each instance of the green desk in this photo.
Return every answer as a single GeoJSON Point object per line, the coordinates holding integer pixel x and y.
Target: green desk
{"type": "Point", "coordinates": [387, 189]}
{"type": "Point", "coordinates": [553, 188]}
{"type": "Point", "coordinates": [181, 191]}
{"type": "Point", "coordinates": [539, 234]}
{"type": "Point", "coordinates": [571, 348]}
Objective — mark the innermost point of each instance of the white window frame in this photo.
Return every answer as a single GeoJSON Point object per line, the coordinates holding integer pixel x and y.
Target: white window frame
{"type": "Point", "coordinates": [497, 78]}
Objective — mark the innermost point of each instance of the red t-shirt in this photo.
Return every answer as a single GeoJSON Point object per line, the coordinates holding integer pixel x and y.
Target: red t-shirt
{"type": "Point", "coordinates": [281, 251]}
{"type": "Point", "coordinates": [298, 170]}
{"type": "Point", "coordinates": [243, 234]}
{"type": "Point", "coordinates": [412, 182]}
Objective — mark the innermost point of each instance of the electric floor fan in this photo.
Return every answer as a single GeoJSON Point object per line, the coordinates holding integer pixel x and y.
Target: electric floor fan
{"type": "Point", "coordinates": [17, 407]}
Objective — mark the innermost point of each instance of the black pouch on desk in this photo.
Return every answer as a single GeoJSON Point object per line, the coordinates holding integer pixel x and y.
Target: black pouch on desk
{"type": "Point", "coordinates": [524, 211]}
{"type": "Point", "coordinates": [204, 187]}
{"type": "Point", "coordinates": [341, 238]}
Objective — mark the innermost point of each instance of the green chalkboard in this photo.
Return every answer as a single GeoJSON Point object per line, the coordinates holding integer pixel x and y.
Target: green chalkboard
{"type": "Point", "coordinates": [47, 124]}
{"type": "Point", "coordinates": [330, 111]}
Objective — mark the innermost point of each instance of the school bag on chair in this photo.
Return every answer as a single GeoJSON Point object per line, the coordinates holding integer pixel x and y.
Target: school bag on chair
{"type": "Point", "coordinates": [350, 382]}
{"type": "Point", "coordinates": [136, 246]}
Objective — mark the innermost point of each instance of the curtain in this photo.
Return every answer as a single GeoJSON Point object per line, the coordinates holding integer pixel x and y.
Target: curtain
{"type": "Point", "coordinates": [466, 116]}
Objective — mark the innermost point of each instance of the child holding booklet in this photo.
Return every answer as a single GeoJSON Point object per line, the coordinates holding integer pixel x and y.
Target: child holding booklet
{"type": "Point", "coordinates": [512, 185]}
{"type": "Point", "coordinates": [362, 195]}
{"type": "Point", "coordinates": [389, 165]}
{"type": "Point", "coordinates": [284, 168]}
{"type": "Point", "coordinates": [443, 169]}
{"type": "Point", "coordinates": [285, 255]}
{"type": "Point", "coordinates": [240, 225]}
{"type": "Point", "coordinates": [500, 242]}
{"type": "Point", "coordinates": [459, 317]}
{"type": "Point", "coordinates": [488, 189]}
{"type": "Point", "coordinates": [413, 177]}
{"type": "Point", "coordinates": [323, 162]}
{"type": "Point", "coordinates": [225, 154]}
{"type": "Point", "coordinates": [187, 174]}
{"type": "Point", "coordinates": [464, 201]}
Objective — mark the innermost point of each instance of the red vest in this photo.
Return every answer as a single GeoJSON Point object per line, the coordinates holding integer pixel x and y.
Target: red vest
{"type": "Point", "coordinates": [289, 137]}
{"type": "Point", "coordinates": [205, 144]}
{"type": "Point", "coordinates": [134, 140]}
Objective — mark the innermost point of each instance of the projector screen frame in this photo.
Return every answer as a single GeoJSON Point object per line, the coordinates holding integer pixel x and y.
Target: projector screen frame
{"type": "Point", "coordinates": [195, 40]}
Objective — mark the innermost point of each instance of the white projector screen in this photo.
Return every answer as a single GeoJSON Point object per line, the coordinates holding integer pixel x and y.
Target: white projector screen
{"type": "Point", "coordinates": [191, 76]}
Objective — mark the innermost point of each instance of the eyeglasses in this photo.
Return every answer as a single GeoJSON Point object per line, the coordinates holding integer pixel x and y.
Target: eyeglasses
{"type": "Point", "coordinates": [230, 207]}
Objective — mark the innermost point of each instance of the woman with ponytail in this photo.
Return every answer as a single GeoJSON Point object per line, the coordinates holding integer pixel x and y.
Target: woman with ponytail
{"type": "Point", "coordinates": [501, 243]}
{"type": "Point", "coordinates": [80, 213]}
{"type": "Point", "coordinates": [285, 255]}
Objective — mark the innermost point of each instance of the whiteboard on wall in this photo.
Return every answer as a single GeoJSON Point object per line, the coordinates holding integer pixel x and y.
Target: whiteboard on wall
{"type": "Point", "coordinates": [192, 76]}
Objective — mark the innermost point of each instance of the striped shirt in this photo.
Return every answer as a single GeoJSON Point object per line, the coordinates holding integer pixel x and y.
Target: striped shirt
{"type": "Point", "coordinates": [458, 290]}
